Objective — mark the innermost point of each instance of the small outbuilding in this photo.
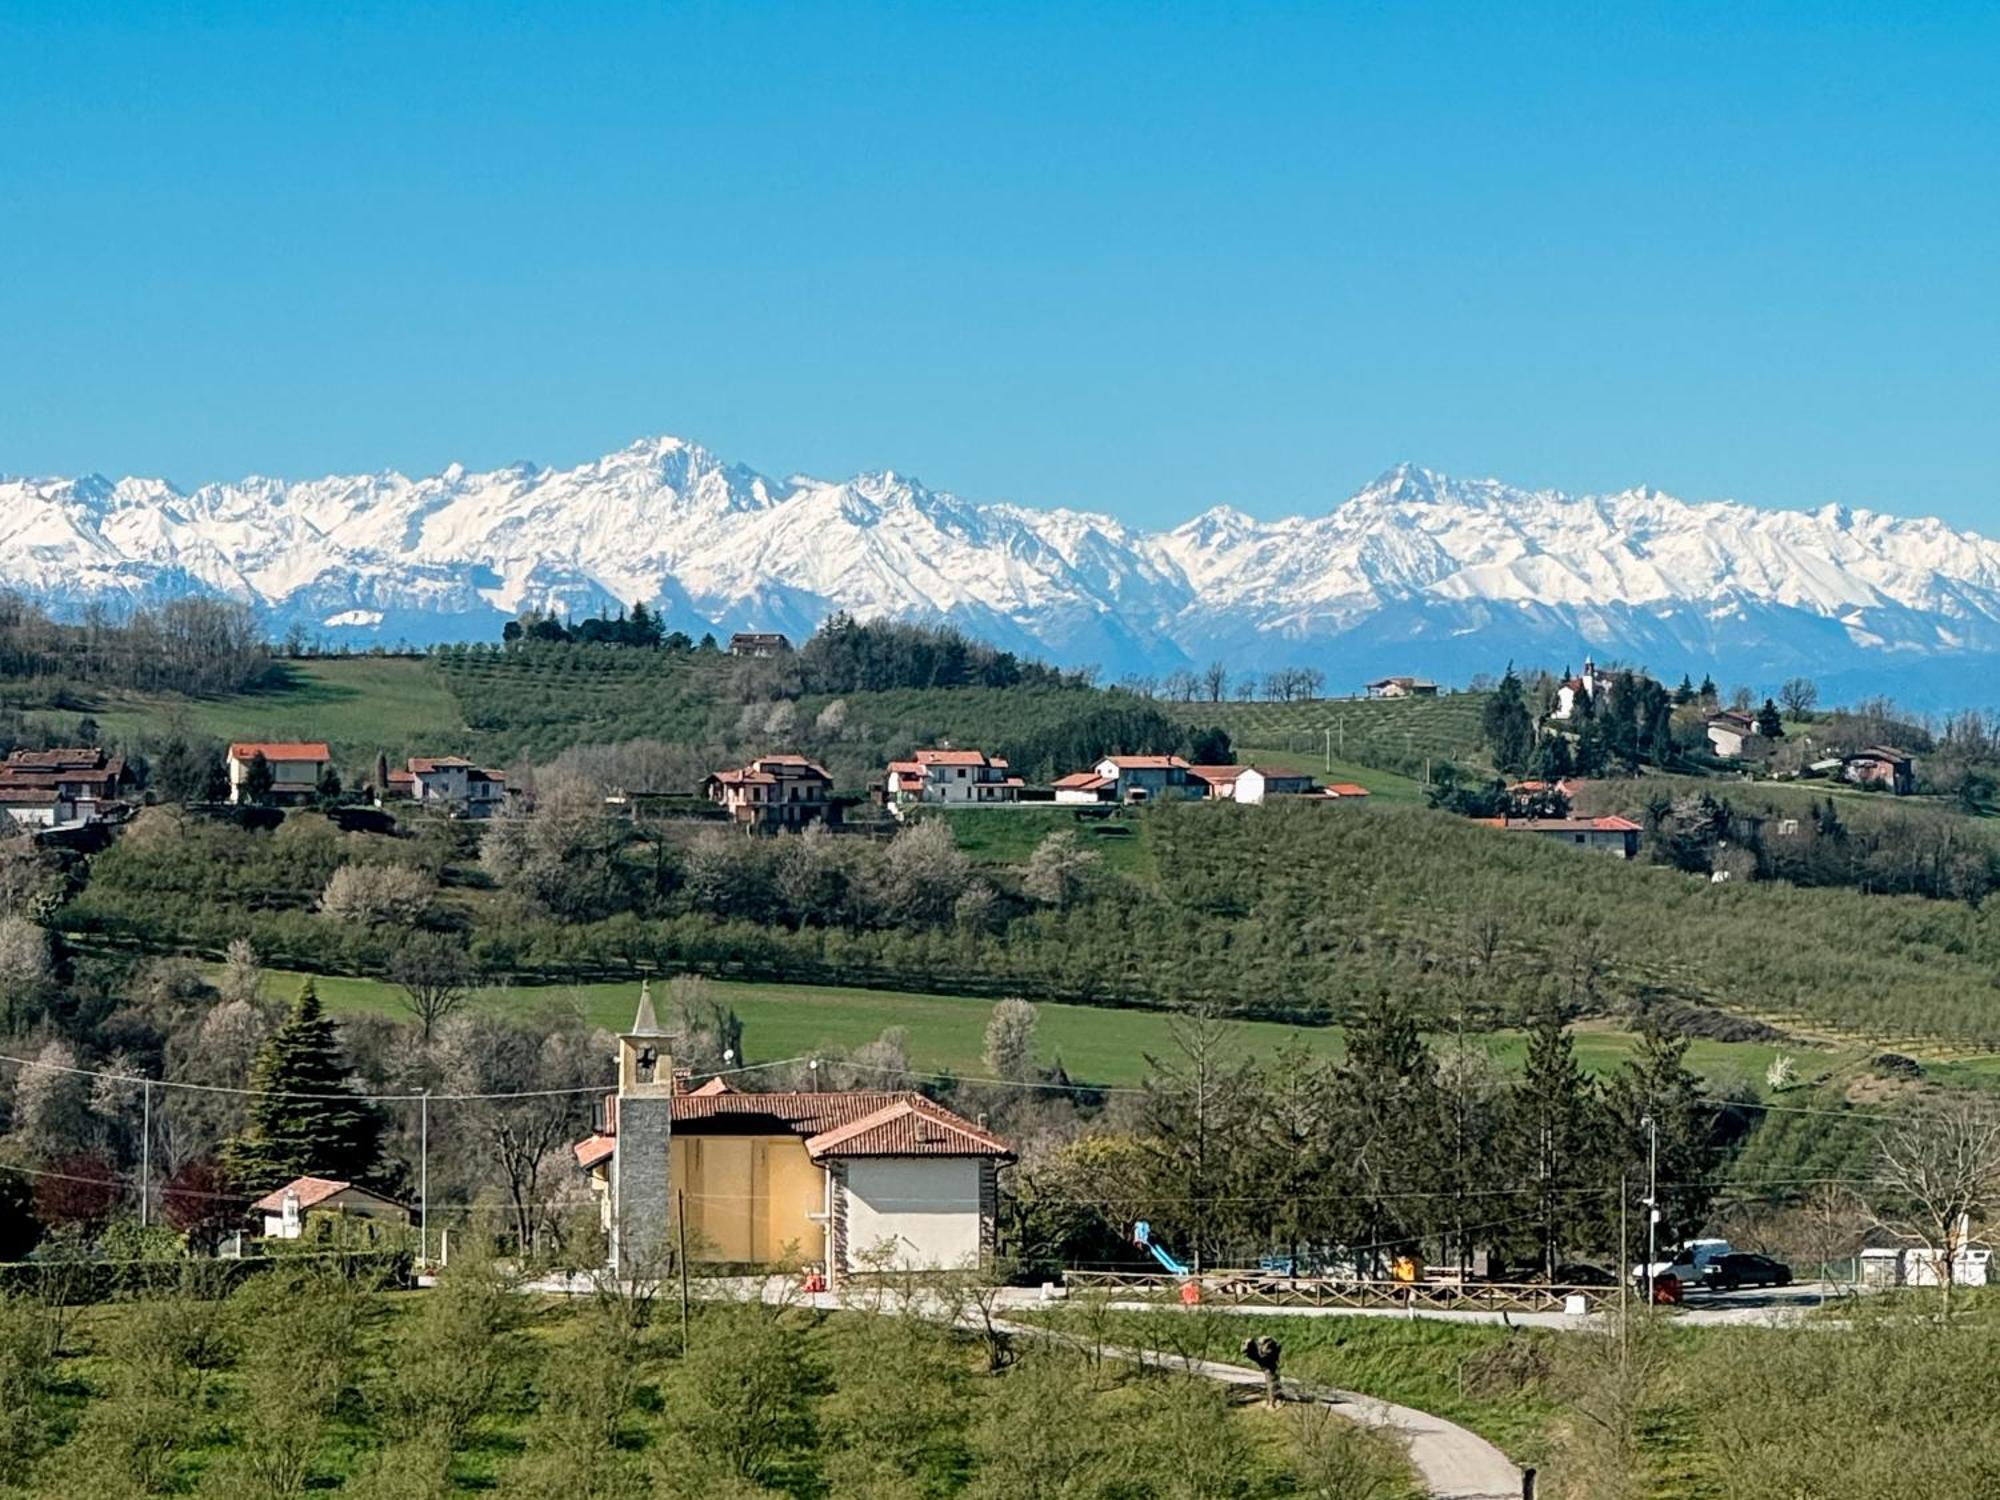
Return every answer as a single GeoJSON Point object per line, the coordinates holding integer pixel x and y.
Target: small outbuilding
{"type": "Point", "coordinates": [287, 1210]}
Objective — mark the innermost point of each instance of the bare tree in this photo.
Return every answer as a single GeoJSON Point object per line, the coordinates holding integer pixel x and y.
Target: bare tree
{"type": "Point", "coordinates": [1800, 696]}
{"type": "Point", "coordinates": [1938, 1179]}
{"type": "Point", "coordinates": [1215, 681]}
{"type": "Point", "coordinates": [436, 976]}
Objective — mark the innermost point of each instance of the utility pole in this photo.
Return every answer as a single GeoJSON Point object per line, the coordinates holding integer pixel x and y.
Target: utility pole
{"type": "Point", "coordinates": [145, 1152]}
{"type": "Point", "coordinates": [1624, 1267]}
{"type": "Point", "coordinates": [1329, 752]}
{"type": "Point", "coordinates": [1652, 1200]}
{"type": "Point", "coordinates": [681, 1231]}
{"type": "Point", "coordinates": [424, 1180]}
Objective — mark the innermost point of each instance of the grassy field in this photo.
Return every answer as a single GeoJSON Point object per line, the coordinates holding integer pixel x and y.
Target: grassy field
{"type": "Point", "coordinates": [1385, 788]}
{"type": "Point", "coordinates": [357, 704]}
{"type": "Point", "coordinates": [1391, 733]}
{"type": "Point", "coordinates": [1096, 1044]}
{"type": "Point", "coordinates": [995, 836]}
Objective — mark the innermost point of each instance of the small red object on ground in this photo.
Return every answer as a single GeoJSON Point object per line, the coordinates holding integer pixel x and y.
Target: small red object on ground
{"type": "Point", "coordinates": [1190, 1293]}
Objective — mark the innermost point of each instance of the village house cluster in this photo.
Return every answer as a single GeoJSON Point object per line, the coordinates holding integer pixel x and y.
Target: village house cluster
{"type": "Point", "coordinates": [64, 788]}
{"type": "Point", "coordinates": [778, 792]}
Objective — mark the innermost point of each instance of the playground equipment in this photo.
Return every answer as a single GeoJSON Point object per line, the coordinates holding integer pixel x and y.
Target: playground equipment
{"type": "Point", "coordinates": [1142, 1234]}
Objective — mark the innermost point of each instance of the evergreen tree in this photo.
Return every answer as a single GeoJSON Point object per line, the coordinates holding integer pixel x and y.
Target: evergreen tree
{"type": "Point", "coordinates": [1657, 1084]}
{"type": "Point", "coordinates": [1770, 723]}
{"type": "Point", "coordinates": [1552, 759]}
{"type": "Point", "coordinates": [1555, 1127]}
{"type": "Point", "coordinates": [305, 1118]}
{"type": "Point", "coordinates": [1510, 728]}
{"type": "Point", "coordinates": [1684, 694]}
{"type": "Point", "coordinates": [258, 780]}
{"type": "Point", "coordinates": [1388, 1108]}
{"type": "Point", "coordinates": [1707, 690]}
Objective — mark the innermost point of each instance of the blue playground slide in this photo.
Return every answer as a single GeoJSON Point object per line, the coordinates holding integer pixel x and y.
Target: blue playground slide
{"type": "Point", "coordinates": [1142, 1234]}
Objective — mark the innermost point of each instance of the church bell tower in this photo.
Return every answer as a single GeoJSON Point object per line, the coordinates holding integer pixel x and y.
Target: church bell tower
{"type": "Point", "coordinates": [641, 1190]}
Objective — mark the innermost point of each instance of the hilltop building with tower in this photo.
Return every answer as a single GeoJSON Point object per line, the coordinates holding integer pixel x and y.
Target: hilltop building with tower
{"type": "Point", "coordinates": [850, 1180]}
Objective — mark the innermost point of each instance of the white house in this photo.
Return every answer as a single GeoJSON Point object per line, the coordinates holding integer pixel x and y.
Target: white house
{"type": "Point", "coordinates": [1732, 735]}
{"type": "Point", "coordinates": [964, 778]}
{"type": "Point", "coordinates": [296, 768]}
{"type": "Point", "coordinates": [452, 783]}
{"type": "Point", "coordinates": [1150, 778]}
{"type": "Point", "coordinates": [38, 807]}
{"type": "Point", "coordinates": [1254, 783]}
{"type": "Point", "coordinates": [287, 1210]}
{"type": "Point", "coordinates": [1084, 787]}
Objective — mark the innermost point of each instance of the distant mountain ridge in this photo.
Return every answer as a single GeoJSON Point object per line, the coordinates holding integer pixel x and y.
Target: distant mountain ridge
{"type": "Point", "coordinates": [1414, 572]}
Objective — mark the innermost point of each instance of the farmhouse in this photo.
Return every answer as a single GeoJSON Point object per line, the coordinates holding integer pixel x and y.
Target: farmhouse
{"type": "Point", "coordinates": [853, 1181]}
{"type": "Point", "coordinates": [56, 788]}
{"type": "Point", "coordinates": [287, 1210]}
{"type": "Point", "coordinates": [1254, 783]}
{"type": "Point", "coordinates": [1150, 778]}
{"type": "Point", "coordinates": [1402, 687]}
{"type": "Point", "coordinates": [951, 777]}
{"type": "Point", "coordinates": [296, 767]}
{"type": "Point", "coordinates": [450, 783]}
{"type": "Point", "coordinates": [774, 792]}
{"type": "Point", "coordinates": [759, 643]}
{"type": "Point", "coordinates": [1607, 835]}
{"type": "Point", "coordinates": [1732, 735]}
{"type": "Point", "coordinates": [1883, 766]}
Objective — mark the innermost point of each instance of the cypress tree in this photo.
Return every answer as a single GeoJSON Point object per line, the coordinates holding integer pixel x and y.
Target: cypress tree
{"type": "Point", "coordinates": [306, 1119]}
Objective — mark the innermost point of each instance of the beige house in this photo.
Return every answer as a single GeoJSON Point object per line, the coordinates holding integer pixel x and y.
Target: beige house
{"type": "Point", "coordinates": [774, 792]}
{"type": "Point", "coordinates": [947, 777]}
{"type": "Point", "coordinates": [296, 768]}
{"type": "Point", "coordinates": [1733, 735]}
{"type": "Point", "coordinates": [1402, 687]}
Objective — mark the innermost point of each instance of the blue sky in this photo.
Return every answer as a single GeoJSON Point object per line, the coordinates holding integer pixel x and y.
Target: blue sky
{"type": "Point", "coordinates": [1141, 258]}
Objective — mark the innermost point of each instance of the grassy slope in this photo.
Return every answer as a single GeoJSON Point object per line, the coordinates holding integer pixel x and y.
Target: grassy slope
{"type": "Point", "coordinates": [1397, 733]}
{"type": "Point", "coordinates": [356, 703]}
{"type": "Point", "coordinates": [945, 1031]}
{"type": "Point", "coordinates": [993, 836]}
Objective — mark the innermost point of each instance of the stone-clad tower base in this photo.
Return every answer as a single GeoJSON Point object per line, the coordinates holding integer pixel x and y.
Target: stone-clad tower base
{"type": "Point", "coordinates": [641, 1171]}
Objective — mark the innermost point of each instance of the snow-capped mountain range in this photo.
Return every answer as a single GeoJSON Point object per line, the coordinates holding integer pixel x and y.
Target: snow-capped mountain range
{"type": "Point", "coordinates": [1416, 572]}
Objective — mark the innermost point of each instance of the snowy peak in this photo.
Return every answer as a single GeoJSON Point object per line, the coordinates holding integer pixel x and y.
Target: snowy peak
{"type": "Point", "coordinates": [1416, 570]}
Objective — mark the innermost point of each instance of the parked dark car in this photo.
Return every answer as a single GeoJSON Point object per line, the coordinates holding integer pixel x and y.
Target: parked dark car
{"type": "Point", "coordinates": [1740, 1268]}
{"type": "Point", "coordinates": [1582, 1273]}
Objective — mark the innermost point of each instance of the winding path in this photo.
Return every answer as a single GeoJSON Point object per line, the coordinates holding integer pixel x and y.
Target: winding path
{"type": "Point", "coordinates": [1454, 1463]}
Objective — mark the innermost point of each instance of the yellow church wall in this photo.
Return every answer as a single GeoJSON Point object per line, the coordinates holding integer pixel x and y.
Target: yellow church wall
{"type": "Point", "coordinates": [748, 1198]}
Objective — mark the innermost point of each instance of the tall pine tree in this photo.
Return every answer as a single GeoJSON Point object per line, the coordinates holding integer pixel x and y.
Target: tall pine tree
{"type": "Point", "coordinates": [306, 1118]}
{"type": "Point", "coordinates": [1556, 1129]}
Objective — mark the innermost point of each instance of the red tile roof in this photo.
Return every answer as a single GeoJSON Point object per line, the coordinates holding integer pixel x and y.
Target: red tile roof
{"type": "Point", "coordinates": [419, 764]}
{"type": "Point", "coordinates": [280, 750]}
{"type": "Point", "coordinates": [955, 758]}
{"type": "Point", "coordinates": [1081, 781]}
{"type": "Point", "coordinates": [1347, 789]}
{"type": "Point", "coordinates": [911, 1126]}
{"type": "Point", "coordinates": [1146, 762]}
{"type": "Point", "coordinates": [832, 1123]}
{"type": "Point", "coordinates": [311, 1190]}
